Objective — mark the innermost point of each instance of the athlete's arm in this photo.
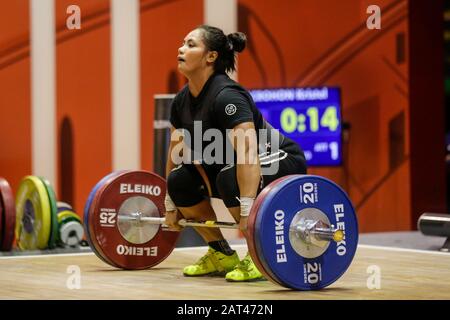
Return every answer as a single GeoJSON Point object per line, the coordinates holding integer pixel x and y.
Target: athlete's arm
{"type": "Point", "coordinates": [248, 169]}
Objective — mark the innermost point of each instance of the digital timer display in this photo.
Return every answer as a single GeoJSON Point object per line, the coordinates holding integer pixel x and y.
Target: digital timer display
{"type": "Point", "coordinates": [309, 116]}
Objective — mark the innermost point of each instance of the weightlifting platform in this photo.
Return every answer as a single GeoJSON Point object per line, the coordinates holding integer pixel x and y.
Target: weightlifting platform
{"type": "Point", "coordinates": [403, 274]}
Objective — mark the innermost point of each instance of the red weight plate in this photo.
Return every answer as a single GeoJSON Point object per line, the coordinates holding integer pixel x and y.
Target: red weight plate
{"type": "Point", "coordinates": [9, 215]}
{"type": "Point", "coordinates": [129, 193]}
{"type": "Point", "coordinates": [1, 221]}
{"type": "Point", "coordinates": [251, 231]}
{"type": "Point", "coordinates": [93, 240]}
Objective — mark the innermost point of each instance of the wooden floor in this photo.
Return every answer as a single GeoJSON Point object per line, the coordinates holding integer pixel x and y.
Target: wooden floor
{"type": "Point", "coordinates": [405, 274]}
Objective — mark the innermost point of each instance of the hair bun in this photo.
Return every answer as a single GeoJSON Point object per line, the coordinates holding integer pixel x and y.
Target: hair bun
{"type": "Point", "coordinates": [238, 41]}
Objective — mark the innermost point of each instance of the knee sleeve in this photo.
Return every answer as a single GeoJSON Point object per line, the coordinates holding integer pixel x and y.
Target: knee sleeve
{"type": "Point", "coordinates": [227, 186]}
{"type": "Point", "coordinates": [185, 186]}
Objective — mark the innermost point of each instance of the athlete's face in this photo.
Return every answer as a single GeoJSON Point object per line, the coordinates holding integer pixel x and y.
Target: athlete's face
{"type": "Point", "coordinates": [193, 54]}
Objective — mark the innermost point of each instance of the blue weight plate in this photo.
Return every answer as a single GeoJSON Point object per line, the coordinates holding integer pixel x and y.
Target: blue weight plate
{"type": "Point", "coordinates": [86, 213]}
{"type": "Point", "coordinates": [286, 201]}
{"type": "Point", "coordinates": [63, 206]}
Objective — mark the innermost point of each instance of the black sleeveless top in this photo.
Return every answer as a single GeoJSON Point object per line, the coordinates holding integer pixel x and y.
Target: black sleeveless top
{"type": "Point", "coordinates": [222, 104]}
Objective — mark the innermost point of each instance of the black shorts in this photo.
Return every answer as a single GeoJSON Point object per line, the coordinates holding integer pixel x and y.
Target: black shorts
{"type": "Point", "coordinates": [187, 187]}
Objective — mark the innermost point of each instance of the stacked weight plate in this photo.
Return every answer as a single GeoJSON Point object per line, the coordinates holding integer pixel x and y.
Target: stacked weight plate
{"type": "Point", "coordinates": [277, 248]}
{"type": "Point", "coordinates": [53, 237]}
{"type": "Point", "coordinates": [127, 244]}
{"type": "Point", "coordinates": [7, 216]}
{"type": "Point", "coordinates": [70, 227]}
{"type": "Point", "coordinates": [36, 218]}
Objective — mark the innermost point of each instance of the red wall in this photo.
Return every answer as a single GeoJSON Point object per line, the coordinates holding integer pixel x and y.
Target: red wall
{"type": "Point", "coordinates": [15, 92]}
{"type": "Point", "coordinates": [315, 43]}
{"type": "Point", "coordinates": [83, 82]}
{"type": "Point", "coordinates": [164, 24]}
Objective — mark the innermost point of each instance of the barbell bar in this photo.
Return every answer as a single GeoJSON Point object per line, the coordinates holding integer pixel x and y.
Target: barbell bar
{"type": "Point", "coordinates": [303, 229]}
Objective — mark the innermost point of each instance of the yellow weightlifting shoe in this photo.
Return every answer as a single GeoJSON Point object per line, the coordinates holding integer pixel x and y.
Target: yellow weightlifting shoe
{"type": "Point", "coordinates": [213, 263]}
{"type": "Point", "coordinates": [245, 271]}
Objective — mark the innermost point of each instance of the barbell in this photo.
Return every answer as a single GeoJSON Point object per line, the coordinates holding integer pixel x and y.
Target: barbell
{"type": "Point", "coordinates": [34, 219]}
{"type": "Point", "coordinates": [307, 229]}
{"type": "Point", "coordinates": [302, 229]}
